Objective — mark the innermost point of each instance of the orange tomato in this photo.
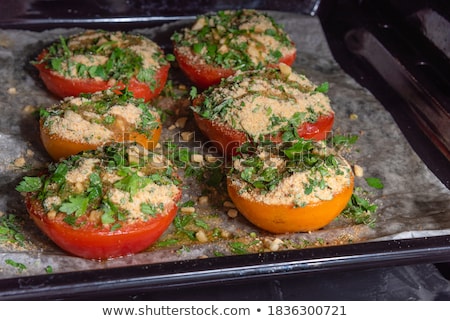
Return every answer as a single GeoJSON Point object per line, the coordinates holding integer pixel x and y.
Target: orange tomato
{"type": "Point", "coordinates": [296, 186]}
{"type": "Point", "coordinates": [288, 218]}
{"type": "Point", "coordinates": [59, 145]}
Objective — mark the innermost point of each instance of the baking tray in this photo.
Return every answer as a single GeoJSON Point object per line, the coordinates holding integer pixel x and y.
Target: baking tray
{"type": "Point", "coordinates": [341, 29]}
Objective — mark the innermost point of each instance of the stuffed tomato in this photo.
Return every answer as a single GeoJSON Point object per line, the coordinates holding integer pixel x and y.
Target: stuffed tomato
{"type": "Point", "coordinates": [290, 187]}
{"type": "Point", "coordinates": [274, 104]}
{"type": "Point", "coordinates": [98, 60]}
{"type": "Point", "coordinates": [219, 44]}
{"type": "Point", "coordinates": [91, 120]}
{"type": "Point", "coordinates": [105, 203]}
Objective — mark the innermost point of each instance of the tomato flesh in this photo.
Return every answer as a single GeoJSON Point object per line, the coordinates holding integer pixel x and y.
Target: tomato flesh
{"type": "Point", "coordinates": [66, 87]}
{"type": "Point", "coordinates": [204, 75]}
{"type": "Point", "coordinates": [227, 139]}
{"type": "Point", "coordinates": [288, 218]}
{"type": "Point", "coordinates": [91, 242]}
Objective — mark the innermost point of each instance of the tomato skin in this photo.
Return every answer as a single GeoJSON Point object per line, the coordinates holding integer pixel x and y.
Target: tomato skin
{"type": "Point", "coordinates": [58, 147]}
{"type": "Point", "coordinates": [227, 139]}
{"type": "Point", "coordinates": [224, 138]}
{"type": "Point", "coordinates": [317, 130]}
{"type": "Point", "coordinates": [204, 75]}
{"type": "Point", "coordinates": [66, 87]}
{"type": "Point", "coordinates": [287, 218]}
{"type": "Point", "coordinates": [314, 131]}
{"type": "Point", "coordinates": [91, 242]}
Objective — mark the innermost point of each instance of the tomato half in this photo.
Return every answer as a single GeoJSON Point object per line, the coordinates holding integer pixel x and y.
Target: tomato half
{"type": "Point", "coordinates": [91, 242]}
{"type": "Point", "coordinates": [227, 139]}
{"type": "Point", "coordinates": [65, 87]}
{"type": "Point", "coordinates": [59, 147]}
{"type": "Point", "coordinates": [205, 75]}
{"type": "Point", "coordinates": [287, 218]}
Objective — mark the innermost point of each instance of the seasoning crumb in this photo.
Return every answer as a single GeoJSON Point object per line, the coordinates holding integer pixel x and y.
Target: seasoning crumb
{"type": "Point", "coordinates": [201, 236]}
{"type": "Point", "coordinates": [187, 136]}
{"type": "Point", "coordinates": [203, 256]}
{"type": "Point", "coordinates": [172, 127]}
{"type": "Point", "coordinates": [29, 109]}
{"type": "Point", "coordinates": [358, 170]}
{"type": "Point", "coordinates": [225, 234]}
{"type": "Point", "coordinates": [187, 210]}
{"type": "Point", "coordinates": [232, 213]}
{"type": "Point", "coordinates": [29, 153]}
{"type": "Point", "coordinates": [19, 162]}
{"type": "Point", "coordinates": [275, 244]}
{"type": "Point", "coordinates": [197, 158]}
{"type": "Point", "coordinates": [181, 122]}
{"type": "Point", "coordinates": [353, 116]}
{"type": "Point", "coordinates": [12, 91]}
{"type": "Point", "coordinates": [229, 204]}
{"type": "Point", "coordinates": [210, 158]}
{"type": "Point", "coordinates": [203, 200]}
{"type": "Point", "coordinates": [285, 69]}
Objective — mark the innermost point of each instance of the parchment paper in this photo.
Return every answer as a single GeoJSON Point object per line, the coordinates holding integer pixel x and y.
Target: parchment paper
{"type": "Point", "coordinates": [413, 202]}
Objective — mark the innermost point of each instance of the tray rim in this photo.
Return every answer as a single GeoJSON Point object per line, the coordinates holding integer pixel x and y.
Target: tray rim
{"type": "Point", "coordinates": [229, 269]}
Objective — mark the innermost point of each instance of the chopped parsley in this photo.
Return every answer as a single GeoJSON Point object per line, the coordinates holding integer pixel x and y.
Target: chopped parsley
{"type": "Point", "coordinates": [10, 230]}
{"type": "Point", "coordinates": [374, 182]}
{"type": "Point", "coordinates": [301, 156]}
{"type": "Point", "coordinates": [19, 266]}
{"type": "Point", "coordinates": [359, 209]}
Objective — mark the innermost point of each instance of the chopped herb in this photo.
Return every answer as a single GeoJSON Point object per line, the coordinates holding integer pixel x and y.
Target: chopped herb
{"type": "Point", "coordinates": [193, 92]}
{"type": "Point", "coordinates": [342, 140]}
{"type": "Point", "coordinates": [10, 230]}
{"type": "Point", "coordinates": [238, 247]}
{"type": "Point", "coordinates": [322, 88]}
{"type": "Point", "coordinates": [374, 182]}
{"type": "Point", "coordinates": [359, 209]}
{"type": "Point", "coordinates": [188, 203]}
{"type": "Point", "coordinates": [29, 184]}
{"type": "Point", "coordinates": [20, 266]}
{"type": "Point", "coordinates": [75, 205]}
{"type": "Point", "coordinates": [165, 243]}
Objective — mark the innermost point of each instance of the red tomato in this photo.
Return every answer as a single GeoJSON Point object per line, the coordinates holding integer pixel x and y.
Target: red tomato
{"type": "Point", "coordinates": [205, 75]}
{"type": "Point", "coordinates": [227, 139]}
{"type": "Point", "coordinates": [65, 87]}
{"type": "Point", "coordinates": [92, 242]}
{"type": "Point", "coordinates": [104, 203]}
